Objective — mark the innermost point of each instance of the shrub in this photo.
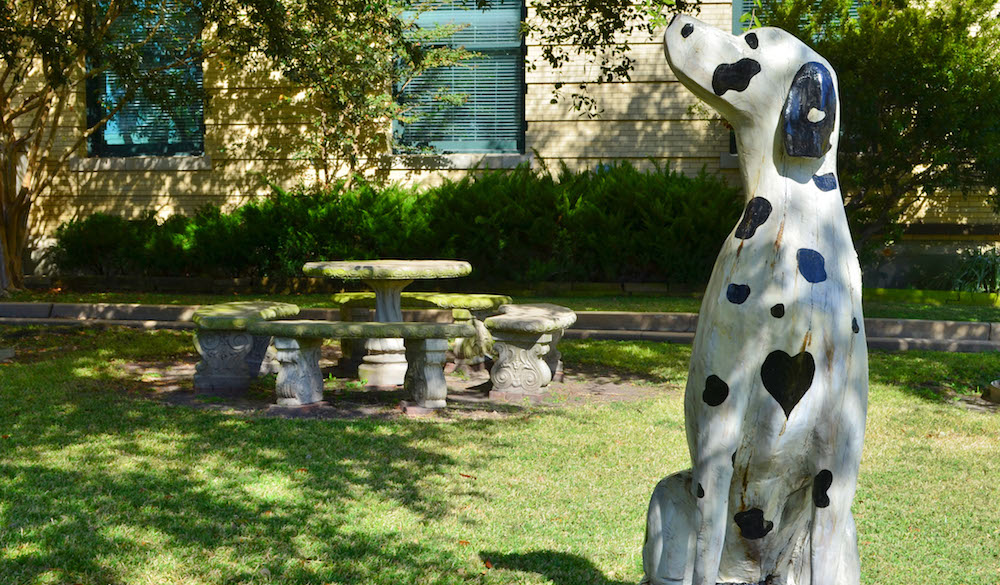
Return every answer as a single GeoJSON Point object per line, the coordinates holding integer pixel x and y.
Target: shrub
{"type": "Point", "coordinates": [978, 271]}
{"type": "Point", "coordinates": [615, 223]}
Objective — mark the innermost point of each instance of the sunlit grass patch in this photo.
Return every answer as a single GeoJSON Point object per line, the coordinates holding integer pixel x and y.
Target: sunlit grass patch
{"type": "Point", "coordinates": [102, 486]}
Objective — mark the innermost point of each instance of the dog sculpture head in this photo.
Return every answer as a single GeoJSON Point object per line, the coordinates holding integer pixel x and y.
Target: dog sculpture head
{"type": "Point", "coordinates": [762, 77]}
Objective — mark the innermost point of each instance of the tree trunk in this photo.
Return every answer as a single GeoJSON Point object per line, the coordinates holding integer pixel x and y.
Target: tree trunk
{"type": "Point", "coordinates": [14, 207]}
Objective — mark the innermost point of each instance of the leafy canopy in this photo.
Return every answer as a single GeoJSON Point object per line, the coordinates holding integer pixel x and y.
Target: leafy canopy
{"type": "Point", "coordinates": [920, 99]}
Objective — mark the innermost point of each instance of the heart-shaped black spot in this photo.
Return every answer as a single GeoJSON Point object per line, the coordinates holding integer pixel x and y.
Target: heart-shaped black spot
{"type": "Point", "coordinates": [756, 213]}
{"type": "Point", "coordinates": [716, 391]}
{"type": "Point", "coordinates": [822, 483]}
{"type": "Point", "coordinates": [737, 293]}
{"type": "Point", "coordinates": [752, 524]}
{"type": "Point", "coordinates": [788, 378]}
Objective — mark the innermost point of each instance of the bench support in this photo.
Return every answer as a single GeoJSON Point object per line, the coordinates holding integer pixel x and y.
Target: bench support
{"type": "Point", "coordinates": [299, 381]}
{"type": "Point", "coordinates": [223, 364]}
{"type": "Point", "coordinates": [520, 368]}
{"type": "Point", "coordinates": [425, 374]}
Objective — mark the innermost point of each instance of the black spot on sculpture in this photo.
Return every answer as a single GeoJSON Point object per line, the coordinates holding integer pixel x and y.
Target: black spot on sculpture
{"type": "Point", "coordinates": [854, 325]}
{"type": "Point", "coordinates": [778, 311]}
{"type": "Point", "coordinates": [687, 30]}
{"type": "Point", "coordinates": [827, 182]}
{"type": "Point", "coordinates": [822, 483]}
{"type": "Point", "coordinates": [787, 378]}
{"type": "Point", "coordinates": [734, 76]}
{"type": "Point", "coordinates": [812, 266]}
{"type": "Point", "coordinates": [701, 491]}
{"type": "Point", "coordinates": [737, 293]}
{"type": "Point", "coordinates": [751, 40]}
{"type": "Point", "coordinates": [752, 524]}
{"type": "Point", "coordinates": [716, 391]}
{"type": "Point", "coordinates": [756, 213]}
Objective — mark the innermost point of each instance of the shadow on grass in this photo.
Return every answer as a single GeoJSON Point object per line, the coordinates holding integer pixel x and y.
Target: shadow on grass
{"type": "Point", "coordinates": [97, 486]}
{"type": "Point", "coordinates": [558, 567]}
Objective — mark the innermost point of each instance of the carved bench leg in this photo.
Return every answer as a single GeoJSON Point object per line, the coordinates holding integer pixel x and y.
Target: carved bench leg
{"type": "Point", "coordinates": [519, 371]}
{"type": "Point", "coordinates": [424, 378]}
{"type": "Point", "coordinates": [299, 381]}
{"type": "Point", "coordinates": [223, 364]}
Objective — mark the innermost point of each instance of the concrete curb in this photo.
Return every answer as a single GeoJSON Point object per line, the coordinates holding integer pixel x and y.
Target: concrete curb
{"type": "Point", "coordinates": [884, 334]}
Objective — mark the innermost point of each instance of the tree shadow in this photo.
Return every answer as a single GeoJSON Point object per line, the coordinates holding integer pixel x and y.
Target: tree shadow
{"type": "Point", "coordinates": [560, 568]}
{"type": "Point", "coordinates": [93, 479]}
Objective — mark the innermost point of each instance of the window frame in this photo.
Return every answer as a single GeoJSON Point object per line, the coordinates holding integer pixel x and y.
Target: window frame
{"type": "Point", "coordinates": [97, 143]}
{"type": "Point", "coordinates": [482, 146]}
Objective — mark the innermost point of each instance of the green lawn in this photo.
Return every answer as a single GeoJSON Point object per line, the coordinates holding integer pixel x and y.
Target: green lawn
{"type": "Point", "coordinates": [685, 304]}
{"type": "Point", "coordinates": [101, 485]}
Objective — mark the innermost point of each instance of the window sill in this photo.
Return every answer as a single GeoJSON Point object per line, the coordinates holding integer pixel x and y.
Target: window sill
{"type": "Point", "coordinates": [141, 163]}
{"type": "Point", "coordinates": [445, 162]}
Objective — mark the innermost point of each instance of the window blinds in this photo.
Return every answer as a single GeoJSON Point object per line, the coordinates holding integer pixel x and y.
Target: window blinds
{"type": "Point", "coordinates": [165, 114]}
{"type": "Point", "coordinates": [491, 119]}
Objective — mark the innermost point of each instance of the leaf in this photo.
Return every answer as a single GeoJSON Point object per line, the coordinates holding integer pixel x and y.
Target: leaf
{"type": "Point", "coordinates": [467, 476]}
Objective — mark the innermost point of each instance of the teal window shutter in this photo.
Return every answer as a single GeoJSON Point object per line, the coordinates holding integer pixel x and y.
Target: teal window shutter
{"type": "Point", "coordinates": [166, 115]}
{"type": "Point", "coordinates": [491, 118]}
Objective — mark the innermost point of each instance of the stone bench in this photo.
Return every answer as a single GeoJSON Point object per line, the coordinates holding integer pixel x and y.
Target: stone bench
{"type": "Point", "coordinates": [524, 345]}
{"type": "Point", "coordinates": [472, 308]}
{"type": "Point", "coordinates": [230, 356]}
{"type": "Point", "coordinates": [300, 381]}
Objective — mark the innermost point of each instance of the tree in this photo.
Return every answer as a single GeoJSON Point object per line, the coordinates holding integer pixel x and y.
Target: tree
{"type": "Point", "coordinates": [597, 31]}
{"type": "Point", "coordinates": [348, 56]}
{"type": "Point", "coordinates": [51, 49]}
{"type": "Point", "coordinates": [920, 100]}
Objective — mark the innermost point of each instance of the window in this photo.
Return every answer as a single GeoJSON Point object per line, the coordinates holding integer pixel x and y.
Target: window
{"type": "Point", "coordinates": [165, 115]}
{"type": "Point", "coordinates": [491, 119]}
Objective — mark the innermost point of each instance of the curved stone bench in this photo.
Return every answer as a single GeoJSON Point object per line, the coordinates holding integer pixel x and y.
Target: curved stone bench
{"type": "Point", "coordinates": [471, 307]}
{"type": "Point", "coordinates": [524, 344]}
{"type": "Point", "coordinates": [300, 381]}
{"type": "Point", "coordinates": [230, 356]}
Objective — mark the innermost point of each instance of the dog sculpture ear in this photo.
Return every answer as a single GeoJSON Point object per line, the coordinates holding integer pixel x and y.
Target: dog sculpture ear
{"type": "Point", "coordinates": [810, 111]}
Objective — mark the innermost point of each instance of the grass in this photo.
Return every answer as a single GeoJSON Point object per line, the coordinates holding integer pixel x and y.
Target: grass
{"type": "Point", "coordinates": [933, 309]}
{"type": "Point", "coordinates": [101, 485]}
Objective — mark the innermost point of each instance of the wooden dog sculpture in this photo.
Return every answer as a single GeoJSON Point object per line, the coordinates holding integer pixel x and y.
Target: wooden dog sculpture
{"type": "Point", "coordinates": [777, 390]}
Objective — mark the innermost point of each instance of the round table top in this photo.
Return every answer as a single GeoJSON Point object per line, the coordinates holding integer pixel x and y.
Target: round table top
{"type": "Point", "coordinates": [388, 269]}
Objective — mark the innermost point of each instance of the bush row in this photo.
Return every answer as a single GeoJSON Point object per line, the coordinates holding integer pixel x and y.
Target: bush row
{"type": "Point", "coordinates": [614, 223]}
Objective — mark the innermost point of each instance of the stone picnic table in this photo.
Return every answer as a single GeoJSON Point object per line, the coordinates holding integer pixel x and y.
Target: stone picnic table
{"type": "Point", "coordinates": [385, 364]}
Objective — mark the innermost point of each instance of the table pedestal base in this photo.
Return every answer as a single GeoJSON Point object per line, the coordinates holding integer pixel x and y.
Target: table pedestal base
{"type": "Point", "coordinates": [383, 368]}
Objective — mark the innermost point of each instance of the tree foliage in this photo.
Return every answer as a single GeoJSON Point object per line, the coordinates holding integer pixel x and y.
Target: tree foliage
{"type": "Point", "coordinates": [598, 32]}
{"type": "Point", "coordinates": [347, 55]}
{"type": "Point", "coordinates": [50, 49]}
{"type": "Point", "coordinates": [920, 100]}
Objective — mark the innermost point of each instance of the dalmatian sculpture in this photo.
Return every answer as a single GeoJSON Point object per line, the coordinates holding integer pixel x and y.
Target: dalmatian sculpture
{"type": "Point", "coordinates": [777, 390]}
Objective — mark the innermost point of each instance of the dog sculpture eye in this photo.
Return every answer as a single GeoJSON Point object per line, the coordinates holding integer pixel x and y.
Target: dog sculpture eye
{"type": "Point", "coordinates": [751, 40]}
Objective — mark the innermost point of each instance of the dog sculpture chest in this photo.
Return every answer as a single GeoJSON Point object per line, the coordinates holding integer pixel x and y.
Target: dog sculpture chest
{"type": "Point", "coordinates": [778, 384]}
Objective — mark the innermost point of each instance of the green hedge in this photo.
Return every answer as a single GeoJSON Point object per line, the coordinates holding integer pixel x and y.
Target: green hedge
{"type": "Point", "coordinates": [615, 223]}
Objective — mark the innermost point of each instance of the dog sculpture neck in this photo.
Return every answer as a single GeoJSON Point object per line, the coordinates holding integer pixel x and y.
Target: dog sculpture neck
{"type": "Point", "coordinates": [776, 395]}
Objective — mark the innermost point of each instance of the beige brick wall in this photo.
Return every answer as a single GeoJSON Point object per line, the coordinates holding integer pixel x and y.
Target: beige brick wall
{"type": "Point", "coordinates": [648, 120]}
